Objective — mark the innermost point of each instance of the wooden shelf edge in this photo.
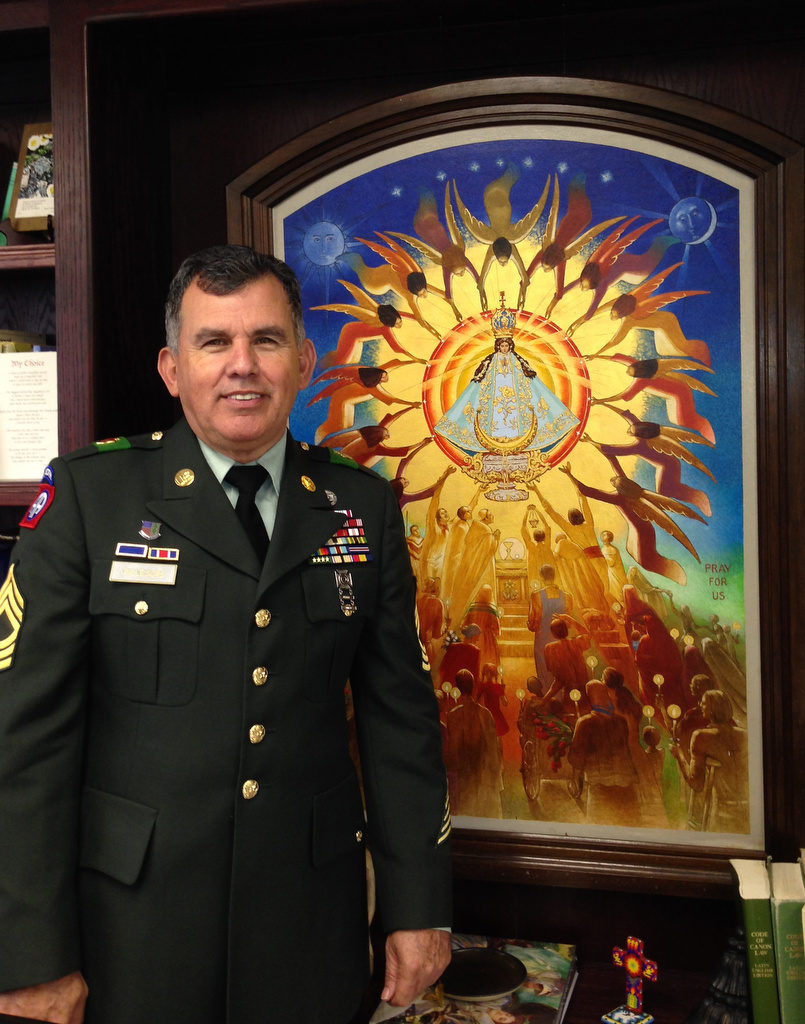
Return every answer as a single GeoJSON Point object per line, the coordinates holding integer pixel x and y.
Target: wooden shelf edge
{"type": "Point", "coordinates": [18, 492]}
{"type": "Point", "coordinates": [17, 15]}
{"type": "Point", "coordinates": [669, 870]}
{"type": "Point", "coordinates": [27, 257]}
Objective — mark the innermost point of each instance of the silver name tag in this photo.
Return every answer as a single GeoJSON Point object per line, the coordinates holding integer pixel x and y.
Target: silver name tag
{"type": "Point", "coordinates": [143, 572]}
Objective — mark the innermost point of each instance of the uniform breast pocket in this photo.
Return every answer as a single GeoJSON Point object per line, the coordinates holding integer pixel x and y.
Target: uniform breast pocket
{"type": "Point", "coordinates": [337, 605]}
{"type": "Point", "coordinates": [146, 636]}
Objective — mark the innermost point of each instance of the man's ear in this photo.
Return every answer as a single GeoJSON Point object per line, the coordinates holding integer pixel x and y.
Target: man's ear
{"type": "Point", "coordinates": [307, 363]}
{"type": "Point", "coordinates": [166, 364]}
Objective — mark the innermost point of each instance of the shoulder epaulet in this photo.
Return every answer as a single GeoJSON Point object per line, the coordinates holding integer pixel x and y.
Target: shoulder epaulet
{"type": "Point", "coordinates": [117, 444]}
{"type": "Point", "coordinates": [321, 453]}
{"type": "Point", "coordinates": [342, 460]}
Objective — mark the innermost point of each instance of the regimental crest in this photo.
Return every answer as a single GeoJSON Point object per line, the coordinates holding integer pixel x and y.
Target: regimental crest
{"type": "Point", "coordinates": [12, 606]}
{"type": "Point", "coordinates": [149, 530]}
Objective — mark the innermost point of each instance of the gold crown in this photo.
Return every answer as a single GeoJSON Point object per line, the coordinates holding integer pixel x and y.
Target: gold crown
{"type": "Point", "coordinates": [504, 320]}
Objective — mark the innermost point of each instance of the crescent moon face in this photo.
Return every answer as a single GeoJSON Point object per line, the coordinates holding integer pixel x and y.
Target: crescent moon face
{"type": "Point", "coordinates": [693, 220]}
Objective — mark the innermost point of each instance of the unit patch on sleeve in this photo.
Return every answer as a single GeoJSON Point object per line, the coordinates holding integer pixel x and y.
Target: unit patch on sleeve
{"type": "Point", "coordinates": [12, 606]}
{"type": "Point", "coordinates": [39, 506]}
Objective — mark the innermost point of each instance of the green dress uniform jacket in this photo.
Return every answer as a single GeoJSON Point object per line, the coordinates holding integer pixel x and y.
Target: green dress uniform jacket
{"type": "Point", "coordinates": [181, 818]}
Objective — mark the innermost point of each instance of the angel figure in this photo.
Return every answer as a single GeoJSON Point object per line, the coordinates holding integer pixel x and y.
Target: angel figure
{"type": "Point", "coordinates": [610, 263]}
{"type": "Point", "coordinates": [372, 322]}
{"type": "Point", "coordinates": [661, 446]}
{"type": "Point", "coordinates": [642, 510]}
{"type": "Point", "coordinates": [348, 386]}
{"type": "Point", "coordinates": [639, 309]}
{"type": "Point", "coordinates": [368, 445]}
{"type": "Point", "coordinates": [660, 377]}
{"type": "Point", "coordinates": [399, 273]}
{"type": "Point", "coordinates": [566, 237]}
{"type": "Point", "coordinates": [500, 235]}
{"type": "Point", "coordinates": [444, 247]}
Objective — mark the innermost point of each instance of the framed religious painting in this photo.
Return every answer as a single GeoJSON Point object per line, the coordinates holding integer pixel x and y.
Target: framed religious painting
{"type": "Point", "coordinates": [537, 313]}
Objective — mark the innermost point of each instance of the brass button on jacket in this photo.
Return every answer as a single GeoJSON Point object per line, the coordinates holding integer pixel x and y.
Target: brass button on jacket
{"type": "Point", "coordinates": [259, 675]}
{"type": "Point", "coordinates": [262, 618]}
{"type": "Point", "coordinates": [257, 733]}
{"type": "Point", "coordinates": [250, 788]}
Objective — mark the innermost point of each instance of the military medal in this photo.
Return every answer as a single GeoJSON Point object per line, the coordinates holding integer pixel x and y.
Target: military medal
{"type": "Point", "coordinates": [347, 545]}
{"type": "Point", "coordinates": [346, 595]}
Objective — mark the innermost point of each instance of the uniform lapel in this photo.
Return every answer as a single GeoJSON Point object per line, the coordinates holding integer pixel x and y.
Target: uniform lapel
{"type": "Point", "coordinates": [305, 518]}
{"type": "Point", "coordinates": [194, 504]}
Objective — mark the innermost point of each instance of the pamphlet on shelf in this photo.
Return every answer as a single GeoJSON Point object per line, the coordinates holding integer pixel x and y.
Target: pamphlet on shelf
{"type": "Point", "coordinates": [32, 196]}
{"type": "Point", "coordinates": [493, 979]}
{"type": "Point", "coordinates": [29, 429]}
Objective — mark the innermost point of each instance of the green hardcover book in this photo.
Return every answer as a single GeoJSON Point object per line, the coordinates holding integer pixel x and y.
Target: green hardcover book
{"type": "Point", "coordinates": [787, 901]}
{"type": "Point", "coordinates": [755, 892]}
{"type": "Point", "coordinates": [802, 865]}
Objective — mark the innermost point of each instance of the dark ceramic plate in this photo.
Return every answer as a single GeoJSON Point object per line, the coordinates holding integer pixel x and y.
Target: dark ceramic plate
{"type": "Point", "coordinates": [482, 973]}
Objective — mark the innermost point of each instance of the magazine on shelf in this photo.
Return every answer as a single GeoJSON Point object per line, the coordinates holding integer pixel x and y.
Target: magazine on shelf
{"type": "Point", "coordinates": [494, 981]}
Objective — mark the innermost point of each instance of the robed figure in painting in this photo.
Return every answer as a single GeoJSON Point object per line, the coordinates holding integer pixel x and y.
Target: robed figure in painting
{"type": "Point", "coordinates": [505, 401]}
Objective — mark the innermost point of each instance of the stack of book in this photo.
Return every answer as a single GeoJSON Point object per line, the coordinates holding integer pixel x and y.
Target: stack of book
{"type": "Point", "coordinates": [773, 903]}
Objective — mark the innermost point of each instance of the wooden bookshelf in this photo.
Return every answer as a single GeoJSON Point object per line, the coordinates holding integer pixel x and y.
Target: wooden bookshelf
{"type": "Point", "coordinates": [28, 257]}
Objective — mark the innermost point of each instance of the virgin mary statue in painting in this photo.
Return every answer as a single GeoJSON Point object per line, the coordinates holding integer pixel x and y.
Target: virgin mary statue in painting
{"type": "Point", "coordinates": [505, 407]}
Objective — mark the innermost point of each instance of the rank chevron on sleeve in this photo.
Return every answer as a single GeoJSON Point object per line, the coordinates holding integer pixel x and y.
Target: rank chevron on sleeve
{"type": "Point", "coordinates": [12, 607]}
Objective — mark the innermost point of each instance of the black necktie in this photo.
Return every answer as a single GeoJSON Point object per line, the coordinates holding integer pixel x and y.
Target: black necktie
{"type": "Point", "coordinates": [249, 480]}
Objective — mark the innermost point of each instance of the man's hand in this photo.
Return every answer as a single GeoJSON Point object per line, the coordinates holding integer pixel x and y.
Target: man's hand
{"type": "Point", "coordinates": [414, 960]}
{"type": "Point", "coordinates": [61, 1001]}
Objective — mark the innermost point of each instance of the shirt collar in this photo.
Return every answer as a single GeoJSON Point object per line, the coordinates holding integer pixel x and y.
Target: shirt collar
{"type": "Point", "coordinates": [273, 460]}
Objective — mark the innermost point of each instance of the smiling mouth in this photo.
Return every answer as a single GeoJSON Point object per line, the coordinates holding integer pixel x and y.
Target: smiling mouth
{"type": "Point", "coordinates": [244, 397]}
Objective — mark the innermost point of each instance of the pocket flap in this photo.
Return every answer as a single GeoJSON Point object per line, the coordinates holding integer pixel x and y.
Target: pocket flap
{"type": "Point", "coordinates": [183, 599]}
{"type": "Point", "coordinates": [115, 834]}
{"type": "Point", "coordinates": [338, 821]}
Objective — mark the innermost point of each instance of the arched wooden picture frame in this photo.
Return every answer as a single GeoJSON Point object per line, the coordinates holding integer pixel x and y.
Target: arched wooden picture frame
{"type": "Point", "coordinates": [665, 417]}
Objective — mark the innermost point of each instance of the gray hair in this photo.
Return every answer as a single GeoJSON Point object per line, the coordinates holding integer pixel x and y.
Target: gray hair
{"type": "Point", "coordinates": [223, 269]}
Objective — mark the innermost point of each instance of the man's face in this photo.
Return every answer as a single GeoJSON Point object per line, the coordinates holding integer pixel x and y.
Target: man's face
{"type": "Point", "coordinates": [238, 368]}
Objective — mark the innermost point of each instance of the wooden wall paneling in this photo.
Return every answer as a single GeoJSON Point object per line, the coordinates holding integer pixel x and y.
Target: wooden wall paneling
{"type": "Point", "coordinates": [23, 14]}
{"type": "Point", "coordinates": [74, 292]}
{"type": "Point", "coordinates": [131, 224]}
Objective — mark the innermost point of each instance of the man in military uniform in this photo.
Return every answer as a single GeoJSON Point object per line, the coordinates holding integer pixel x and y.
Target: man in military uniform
{"type": "Point", "coordinates": [182, 825]}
